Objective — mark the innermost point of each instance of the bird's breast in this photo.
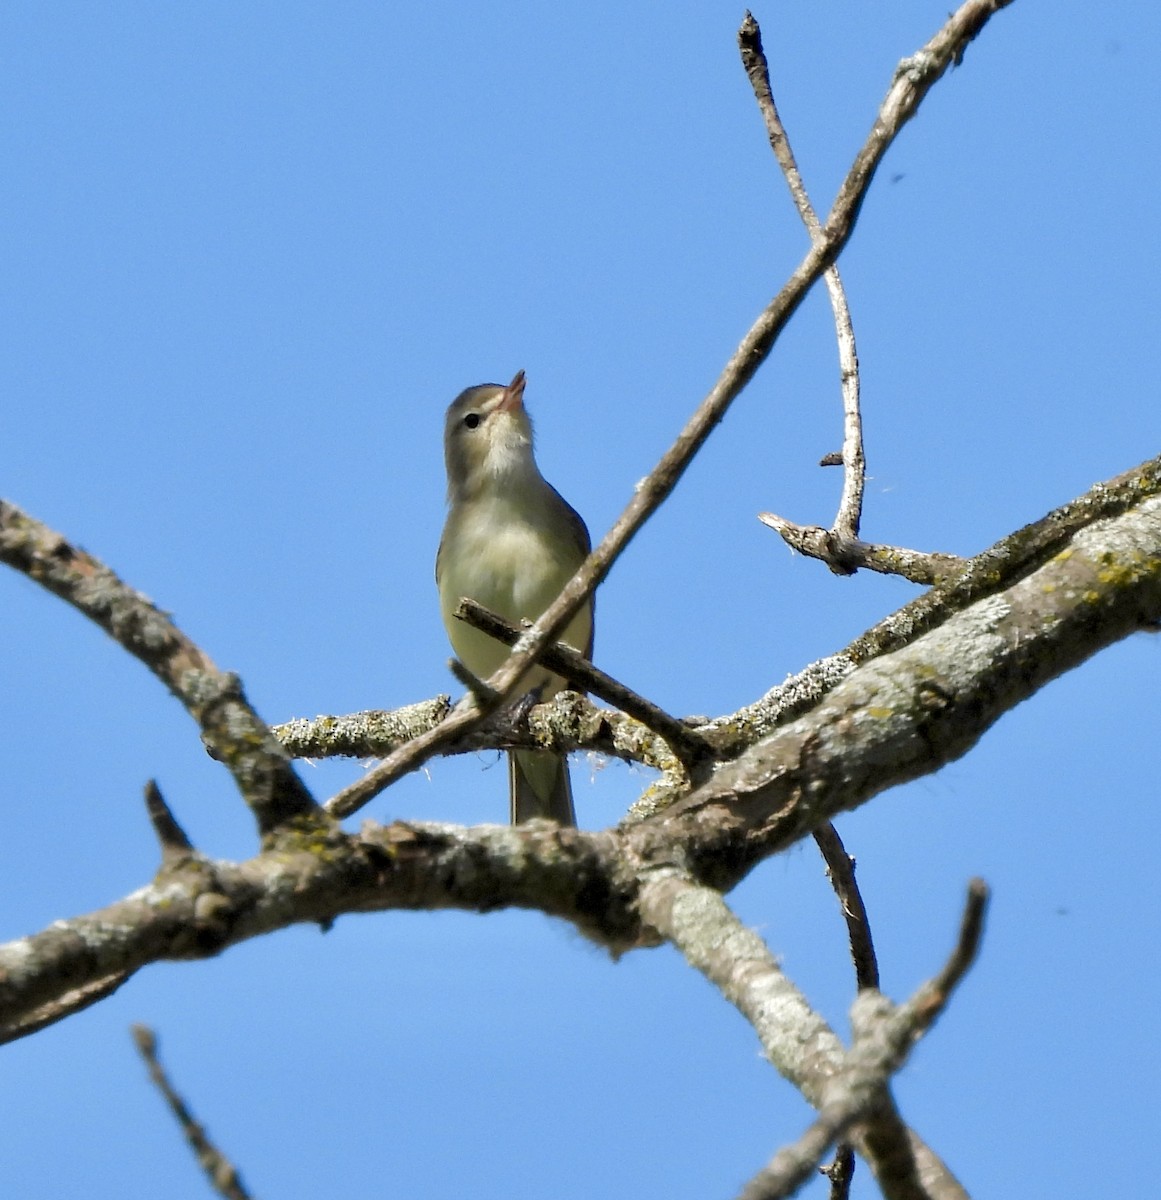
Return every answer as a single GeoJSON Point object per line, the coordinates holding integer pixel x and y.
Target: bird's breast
{"type": "Point", "coordinates": [505, 562]}
{"type": "Point", "coordinates": [515, 566]}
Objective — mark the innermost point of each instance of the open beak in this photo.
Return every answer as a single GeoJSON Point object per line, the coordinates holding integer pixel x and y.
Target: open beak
{"type": "Point", "coordinates": [513, 396]}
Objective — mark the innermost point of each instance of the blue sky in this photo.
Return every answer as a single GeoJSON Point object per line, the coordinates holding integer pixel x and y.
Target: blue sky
{"type": "Point", "coordinates": [250, 251]}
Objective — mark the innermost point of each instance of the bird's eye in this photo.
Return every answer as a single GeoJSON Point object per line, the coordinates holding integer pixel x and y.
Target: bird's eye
{"type": "Point", "coordinates": [472, 420]}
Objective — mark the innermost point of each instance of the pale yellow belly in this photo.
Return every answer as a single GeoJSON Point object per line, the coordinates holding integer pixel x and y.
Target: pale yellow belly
{"type": "Point", "coordinates": [516, 573]}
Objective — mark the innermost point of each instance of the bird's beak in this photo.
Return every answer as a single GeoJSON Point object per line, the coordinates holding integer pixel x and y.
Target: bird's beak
{"type": "Point", "coordinates": [513, 396]}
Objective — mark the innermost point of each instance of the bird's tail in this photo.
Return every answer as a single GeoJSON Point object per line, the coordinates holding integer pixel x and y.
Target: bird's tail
{"type": "Point", "coordinates": [539, 786]}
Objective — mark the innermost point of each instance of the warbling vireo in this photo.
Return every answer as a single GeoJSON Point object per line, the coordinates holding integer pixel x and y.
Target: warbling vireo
{"type": "Point", "coordinates": [510, 542]}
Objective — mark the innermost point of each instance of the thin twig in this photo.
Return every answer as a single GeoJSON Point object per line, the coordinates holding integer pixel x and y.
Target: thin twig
{"type": "Point", "coordinates": [846, 523]}
{"type": "Point", "coordinates": [232, 731]}
{"type": "Point", "coordinates": [932, 998]}
{"type": "Point", "coordinates": [864, 1100]}
{"type": "Point", "coordinates": [220, 1172]}
{"type": "Point", "coordinates": [687, 744]}
{"type": "Point", "coordinates": [913, 79]}
{"type": "Point", "coordinates": [410, 756]}
{"type": "Point", "coordinates": [841, 869]}
{"type": "Point", "coordinates": [794, 1164]}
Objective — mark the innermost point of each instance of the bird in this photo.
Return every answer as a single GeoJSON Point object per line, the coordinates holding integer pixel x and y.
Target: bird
{"type": "Point", "coordinates": [510, 542]}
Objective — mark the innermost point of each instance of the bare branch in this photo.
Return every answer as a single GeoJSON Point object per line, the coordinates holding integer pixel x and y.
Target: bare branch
{"type": "Point", "coordinates": [858, 1089]}
{"type": "Point", "coordinates": [199, 907]}
{"type": "Point", "coordinates": [841, 1172]}
{"type": "Point", "coordinates": [566, 723]}
{"type": "Point", "coordinates": [840, 547]}
{"type": "Point", "coordinates": [363, 734]}
{"type": "Point", "coordinates": [793, 1165]}
{"type": "Point", "coordinates": [410, 756]}
{"type": "Point", "coordinates": [931, 999]}
{"type": "Point", "coordinates": [841, 869]}
{"type": "Point", "coordinates": [846, 523]}
{"type": "Point", "coordinates": [233, 732]}
{"type": "Point", "coordinates": [221, 1173]}
{"type": "Point", "coordinates": [859, 1107]}
{"type": "Point", "coordinates": [883, 1036]}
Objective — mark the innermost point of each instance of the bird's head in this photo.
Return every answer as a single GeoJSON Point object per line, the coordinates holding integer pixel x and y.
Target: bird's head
{"type": "Point", "coordinates": [487, 438]}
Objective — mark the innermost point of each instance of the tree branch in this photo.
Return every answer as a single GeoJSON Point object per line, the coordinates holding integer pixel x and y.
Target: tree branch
{"type": "Point", "coordinates": [566, 723]}
{"type": "Point", "coordinates": [67, 1004]}
{"type": "Point", "coordinates": [232, 731]}
{"type": "Point", "coordinates": [845, 555]}
{"type": "Point", "coordinates": [222, 1174]}
{"type": "Point", "coordinates": [363, 734]}
{"type": "Point", "coordinates": [891, 720]}
{"type": "Point", "coordinates": [840, 547]}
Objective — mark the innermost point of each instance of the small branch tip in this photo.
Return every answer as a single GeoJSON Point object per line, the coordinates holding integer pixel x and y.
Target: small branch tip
{"type": "Point", "coordinates": [478, 688]}
{"type": "Point", "coordinates": [220, 1173]}
{"type": "Point", "coordinates": [170, 834]}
